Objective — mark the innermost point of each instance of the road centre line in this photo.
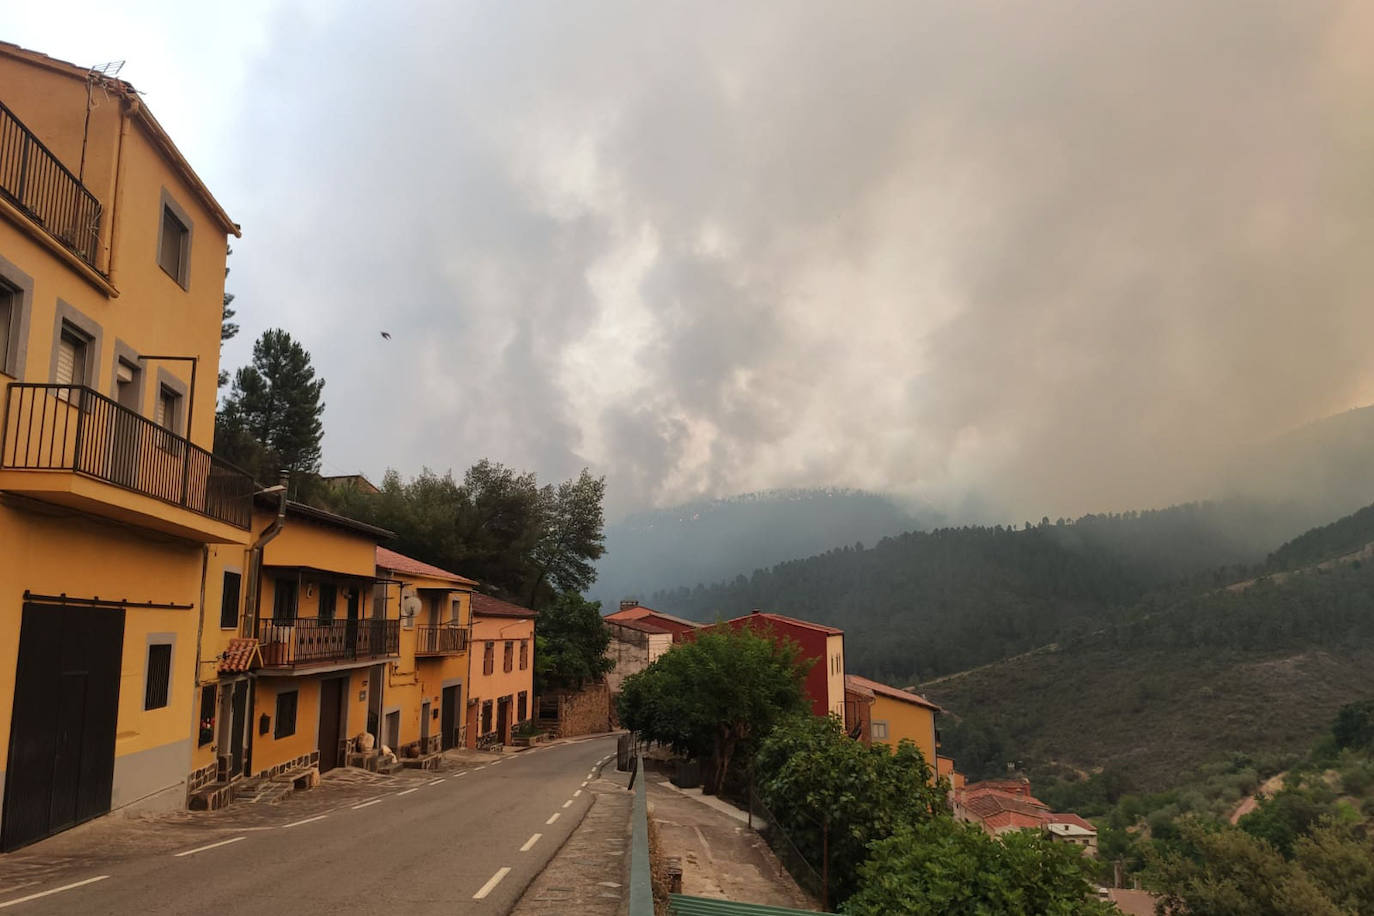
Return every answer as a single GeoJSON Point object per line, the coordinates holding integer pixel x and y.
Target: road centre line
{"type": "Point", "coordinates": [492, 882]}
{"type": "Point", "coordinates": [551, 819]}
{"type": "Point", "coordinates": [437, 781]}
{"type": "Point", "coordinates": [568, 803]}
{"type": "Point", "coordinates": [368, 804]}
{"type": "Point", "coordinates": [308, 820]}
{"type": "Point", "coordinates": [584, 783]}
{"type": "Point", "coordinates": [191, 852]}
{"type": "Point", "coordinates": [58, 890]}
{"type": "Point", "coordinates": [577, 793]}
{"type": "Point", "coordinates": [529, 844]}
{"type": "Point", "coordinates": [408, 791]}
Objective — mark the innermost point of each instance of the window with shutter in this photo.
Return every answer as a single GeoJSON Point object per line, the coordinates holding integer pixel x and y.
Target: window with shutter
{"type": "Point", "coordinates": [171, 253]}
{"type": "Point", "coordinates": [229, 601]}
{"type": "Point", "coordinates": [158, 675]}
{"type": "Point", "coordinates": [489, 658]}
{"type": "Point", "coordinates": [524, 654]}
{"type": "Point", "coordinates": [284, 595]}
{"type": "Point", "coordinates": [207, 715]}
{"type": "Point", "coordinates": [508, 659]}
{"type": "Point", "coordinates": [328, 598]}
{"type": "Point", "coordinates": [285, 724]}
{"type": "Point", "coordinates": [71, 359]}
{"type": "Point", "coordinates": [168, 410]}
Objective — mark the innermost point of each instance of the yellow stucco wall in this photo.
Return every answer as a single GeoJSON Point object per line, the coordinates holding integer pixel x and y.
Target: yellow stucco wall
{"type": "Point", "coordinates": [269, 751]}
{"type": "Point", "coordinates": [307, 543]}
{"type": "Point", "coordinates": [906, 720]}
{"type": "Point", "coordinates": [411, 680]}
{"type": "Point", "coordinates": [153, 314]}
{"type": "Point", "coordinates": [500, 683]}
{"type": "Point", "coordinates": [834, 650]}
{"type": "Point", "coordinates": [53, 552]}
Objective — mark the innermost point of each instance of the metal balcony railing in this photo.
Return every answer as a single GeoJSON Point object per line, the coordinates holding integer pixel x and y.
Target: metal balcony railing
{"type": "Point", "coordinates": [33, 179]}
{"type": "Point", "coordinates": [442, 640]}
{"type": "Point", "coordinates": [310, 641]}
{"type": "Point", "coordinates": [73, 428]}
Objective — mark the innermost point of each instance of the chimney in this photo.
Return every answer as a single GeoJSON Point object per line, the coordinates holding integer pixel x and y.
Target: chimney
{"type": "Point", "coordinates": [627, 603]}
{"type": "Point", "coordinates": [754, 611]}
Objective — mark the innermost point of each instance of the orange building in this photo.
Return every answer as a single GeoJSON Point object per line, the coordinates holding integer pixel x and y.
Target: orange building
{"type": "Point", "coordinates": [501, 670]}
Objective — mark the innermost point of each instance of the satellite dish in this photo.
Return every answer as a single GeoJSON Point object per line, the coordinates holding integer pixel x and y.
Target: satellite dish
{"type": "Point", "coordinates": [410, 602]}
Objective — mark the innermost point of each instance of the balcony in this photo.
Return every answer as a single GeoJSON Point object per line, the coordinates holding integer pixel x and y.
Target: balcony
{"type": "Point", "coordinates": [442, 640]}
{"type": "Point", "coordinates": [70, 445]}
{"type": "Point", "coordinates": [309, 642]}
{"type": "Point", "coordinates": [34, 181]}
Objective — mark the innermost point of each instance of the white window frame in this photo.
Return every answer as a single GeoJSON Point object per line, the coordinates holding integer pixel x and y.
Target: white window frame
{"type": "Point", "coordinates": [878, 730]}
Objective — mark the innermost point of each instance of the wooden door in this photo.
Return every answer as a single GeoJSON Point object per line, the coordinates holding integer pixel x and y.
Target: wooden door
{"type": "Point", "coordinates": [503, 720]}
{"type": "Point", "coordinates": [60, 769]}
{"type": "Point", "coordinates": [331, 712]}
{"type": "Point", "coordinates": [448, 717]}
{"type": "Point", "coordinates": [238, 712]}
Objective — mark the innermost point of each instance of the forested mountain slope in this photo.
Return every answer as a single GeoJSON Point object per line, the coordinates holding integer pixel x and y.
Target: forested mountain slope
{"type": "Point", "coordinates": [927, 603]}
{"type": "Point", "coordinates": [1182, 678]}
{"type": "Point", "coordinates": [713, 539]}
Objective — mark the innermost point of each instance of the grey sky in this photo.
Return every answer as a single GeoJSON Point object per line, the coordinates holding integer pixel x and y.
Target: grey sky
{"type": "Point", "coordinates": [1066, 255]}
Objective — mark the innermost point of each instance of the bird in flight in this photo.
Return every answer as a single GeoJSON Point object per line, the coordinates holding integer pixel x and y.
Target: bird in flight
{"type": "Point", "coordinates": [386, 335]}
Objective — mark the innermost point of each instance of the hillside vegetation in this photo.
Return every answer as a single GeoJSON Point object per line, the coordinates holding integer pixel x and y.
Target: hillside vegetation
{"type": "Point", "coordinates": [922, 604]}
{"type": "Point", "coordinates": [1184, 676]}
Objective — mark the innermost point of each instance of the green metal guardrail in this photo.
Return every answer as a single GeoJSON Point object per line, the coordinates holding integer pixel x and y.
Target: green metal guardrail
{"type": "Point", "coordinates": [641, 883]}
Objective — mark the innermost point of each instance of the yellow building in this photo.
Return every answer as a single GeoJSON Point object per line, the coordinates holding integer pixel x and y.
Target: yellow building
{"type": "Point", "coordinates": [297, 637]}
{"type": "Point", "coordinates": [880, 714]}
{"type": "Point", "coordinates": [422, 712]}
{"type": "Point", "coordinates": [501, 682]}
{"type": "Point", "coordinates": [112, 256]}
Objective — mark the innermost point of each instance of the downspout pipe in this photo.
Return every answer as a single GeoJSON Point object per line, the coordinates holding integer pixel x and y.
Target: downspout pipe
{"type": "Point", "coordinates": [250, 606]}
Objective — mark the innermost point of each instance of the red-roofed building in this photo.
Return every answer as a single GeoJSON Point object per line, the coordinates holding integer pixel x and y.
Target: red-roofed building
{"type": "Point", "coordinates": [633, 610]}
{"type": "Point", "coordinates": [1000, 805]}
{"type": "Point", "coordinates": [823, 645]}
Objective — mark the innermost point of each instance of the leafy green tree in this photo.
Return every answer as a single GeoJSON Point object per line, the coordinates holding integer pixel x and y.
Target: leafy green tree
{"type": "Point", "coordinates": [1222, 871]}
{"type": "Point", "coordinates": [708, 697]}
{"type": "Point", "coordinates": [570, 643]}
{"type": "Point", "coordinates": [272, 416]}
{"type": "Point", "coordinates": [571, 536]}
{"type": "Point", "coordinates": [833, 796]}
{"type": "Point", "coordinates": [1354, 726]}
{"type": "Point", "coordinates": [1288, 815]}
{"type": "Point", "coordinates": [944, 868]}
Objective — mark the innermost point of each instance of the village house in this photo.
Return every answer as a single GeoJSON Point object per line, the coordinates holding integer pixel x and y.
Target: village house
{"type": "Point", "coordinates": [423, 706]}
{"type": "Point", "coordinates": [822, 645]}
{"type": "Point", "coordinates": [293, 654]}
{"type": "Point", "coordinates": [1003, 805]}
{"type": "Point", "coordinates": [630, 609]}
{"type": "Point", "coordinates": [878, 714]}
{"type": "Point", "coordinates": [501, 670]}
{"type": "Point", "coordinates": [112, 260]}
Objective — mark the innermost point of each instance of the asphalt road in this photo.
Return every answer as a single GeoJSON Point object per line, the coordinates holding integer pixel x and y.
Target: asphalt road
{"type": "Point", "coordinates": [465, 844]}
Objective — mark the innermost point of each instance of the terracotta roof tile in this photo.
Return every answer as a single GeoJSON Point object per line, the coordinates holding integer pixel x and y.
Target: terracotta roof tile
{"type": "Point", "coordinates": [399, 562]}
{"type": "Point", "coordinates": [779, 618]}
{"type": "Point", "coordinates": [487, 606]}
{"type": "Point", "coordinates": [643, 626]}
{"type": "Point", "coordinates": [239, 656]}
{"type": "Point", "coordinates": [892, 692]}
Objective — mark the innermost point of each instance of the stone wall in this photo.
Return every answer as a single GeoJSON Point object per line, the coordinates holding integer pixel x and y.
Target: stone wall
{"type": "Point", "coordinates": [584, 712]}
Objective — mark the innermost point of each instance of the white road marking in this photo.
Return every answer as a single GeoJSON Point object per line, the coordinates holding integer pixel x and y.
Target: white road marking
{"type": "Point", "coordinates": [551, 819]}
{"type": "Point", "coordinates": [308, 820]}
{"type": "Point", "coordinates": [482, 767]}
{"type": "Point", "coordinates": [58, 890]}
{"type": "Point", "coordinates": [568, 803]}
{"type": "Point", "coordinates": [529, 844]}
{"type": "Point", "coordinates": [460, 773]}
{"type": "Point", "coordinates": [577, 793]}
{"type": "Point", "coordinates": [491, 883]}
{"type": "Point", "coordinates": [368, 804]}
{"type": "Point", "coordinates": [584, 783]}
{"type": "Point", "coordinates": [437, 781]}
{"type": "Point", "coordinates": [191, 852]}
{"type": "Point", "coordinates": [408, 791]}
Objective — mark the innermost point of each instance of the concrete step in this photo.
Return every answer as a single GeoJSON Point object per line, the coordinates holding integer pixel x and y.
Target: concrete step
{"type": "Point", "coordinates": [211, 797]}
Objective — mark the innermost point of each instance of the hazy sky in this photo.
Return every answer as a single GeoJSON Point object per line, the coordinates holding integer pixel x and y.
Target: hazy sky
{"type": "Point", "coordinates": [1065, 255]}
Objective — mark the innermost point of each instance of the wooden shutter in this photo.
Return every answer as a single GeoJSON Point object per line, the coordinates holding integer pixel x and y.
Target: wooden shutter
{"type": "Point", "coordinates": [159, 674]}
{"type": "Point", "coordinates": [6, 320]}
{"type": "Point", "coordinates": [67, 355]}
{"type": "Point", "coordinates": [229, 601]}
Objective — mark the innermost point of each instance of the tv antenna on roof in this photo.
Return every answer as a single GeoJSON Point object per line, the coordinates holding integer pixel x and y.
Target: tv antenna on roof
{"type": "Point", "coordinates": [109, 70]}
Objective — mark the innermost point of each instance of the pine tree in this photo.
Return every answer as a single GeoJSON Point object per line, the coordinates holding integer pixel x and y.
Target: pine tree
{"type": "Point", "coordinates": [272, 417]}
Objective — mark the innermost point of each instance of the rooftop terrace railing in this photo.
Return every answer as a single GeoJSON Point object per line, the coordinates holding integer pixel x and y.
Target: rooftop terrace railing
{"type": "Point", "coordinates": [33, 179]}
